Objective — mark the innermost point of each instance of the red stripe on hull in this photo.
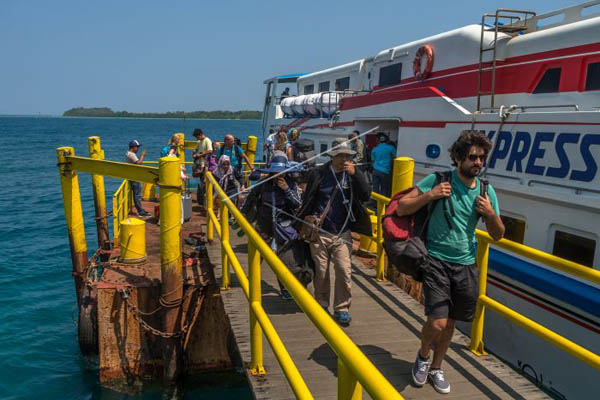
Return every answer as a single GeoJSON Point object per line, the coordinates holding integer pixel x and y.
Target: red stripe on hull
{"type": "Point", "coordinates": [545, 307]}
{"type": "Point", "coordinates": [422, 124]}
{"type": "Point", "coordinates": [510, 79]}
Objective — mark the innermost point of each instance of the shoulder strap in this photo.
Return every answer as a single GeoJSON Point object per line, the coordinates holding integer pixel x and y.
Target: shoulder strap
{"type": "Point", "coordinates": [327, 207]}
{"type": "Point", "coordinates": [238, 155]}
{"type": "Point", "coordinates": [483, 187]}
{"type": "Point", "coordinates": [440, 177]}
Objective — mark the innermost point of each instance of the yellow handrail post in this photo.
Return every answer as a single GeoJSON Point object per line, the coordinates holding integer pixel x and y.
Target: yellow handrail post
{"type": "Point", "coordinates": [115, 221]}
{"type": "Point", "coordinates": [224, 239]}
{"type": "Point", "coordinates": [380, 252]}
{"type": "Point", "coordinates": [97, 153]}
{"type": "Point", "coordinates": [256, 349]}
{"type": "Point", "coordinates": [251, 153]}
{"type": "Point", "coordinates": [181, 147]}
{"type": "Point", "coordinates": [476, 346]}
{"type": "Point", "coordinates": [170, 260]}
{"type": "Point", "coordinates": [210, 231]}
{"type": "Point", "coordinates": [403, 174]}
{"type": "Point", "coordinates": [348, 386]}
{"type": "Point", "coordinates": [129, 203]}
{"type": "Point", "coordinates": [73, 216]}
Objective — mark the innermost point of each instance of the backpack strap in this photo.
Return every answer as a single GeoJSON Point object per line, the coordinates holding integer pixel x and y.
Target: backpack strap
{"type": "Point", "coordinates": [483, 187]}
{"type": "Point", "coordinates": [447, 201]}
{"type": "Point", "coordinates": [483, 191]}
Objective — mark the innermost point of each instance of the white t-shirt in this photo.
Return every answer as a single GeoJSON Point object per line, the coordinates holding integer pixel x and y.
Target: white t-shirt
{"type": "Point", "coordinates": [131, 157]}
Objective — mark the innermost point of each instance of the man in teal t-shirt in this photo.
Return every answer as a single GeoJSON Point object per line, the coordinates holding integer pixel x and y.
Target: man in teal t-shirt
{"type": "Point", "coordinates": [450, 283]}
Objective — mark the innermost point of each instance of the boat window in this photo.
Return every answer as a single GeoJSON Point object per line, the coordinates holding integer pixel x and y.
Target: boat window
{"type": "Point", "coordinates": [323, 147]}
{"type": "Point", "coordinates": [549, 82]}
{"type": "Point", "coordinates": [573, 247]}
{"type": "Point", "coordinates": [342, 83]}
{"type": "Point", "coordinates": [324, 86]}
{"type": "Point", "coordinates": [390, 75]}
{"type": "Point", "coordinates": [515, 228]}
{"type": "Point", "coordinates": [309, 89]}
{"type": "Point", "coordinates": [592, 80]}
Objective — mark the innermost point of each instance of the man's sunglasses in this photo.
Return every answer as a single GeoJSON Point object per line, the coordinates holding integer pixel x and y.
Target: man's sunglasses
{"type": "Point", "coordinates": [475, 157]}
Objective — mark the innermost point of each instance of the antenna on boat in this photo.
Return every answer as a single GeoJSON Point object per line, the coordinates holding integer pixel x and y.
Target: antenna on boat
{"type": "Point", "coordinates": [504, 113]}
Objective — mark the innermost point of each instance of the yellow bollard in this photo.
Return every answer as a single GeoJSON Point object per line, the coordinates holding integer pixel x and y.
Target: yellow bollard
{"type": "Point", "coordinates": [132, 241]}
{"type": "Point", "coordinates": [170, 261]}
{"type": "Point", "coordinates": [73, 216]}
{"type": "Point", "coordinates": [97, 153]}
{"type": "Point", "coordinates": [210, 231]}
{"type": "Point", "coordinates": [224, 240]}
{"type": "Point", "coordinates": [256, 348]}
{"type": "Point", "coordinates": [402, 174]}
{"type": "Point", "coordinates": [348, 386]}
{"type": "Point", "coordinates": [476, 345]}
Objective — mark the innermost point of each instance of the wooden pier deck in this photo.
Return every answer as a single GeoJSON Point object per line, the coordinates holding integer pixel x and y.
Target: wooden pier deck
{"type": "Point", "coordinates": [386, 324]}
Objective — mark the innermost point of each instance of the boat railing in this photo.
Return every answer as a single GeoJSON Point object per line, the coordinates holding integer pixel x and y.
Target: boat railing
{"type": "Point", "coordinates": [122, 206]}
{"type": "Point", "coordinates": [563, 16]}
{"type": "Point", "coordinates": [484, 241]}
{"type": "Point", "coordinates": [354, 368]}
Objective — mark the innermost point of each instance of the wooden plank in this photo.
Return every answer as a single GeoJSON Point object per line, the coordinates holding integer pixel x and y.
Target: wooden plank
{"type": "Point", "coordinates": [386, 326]}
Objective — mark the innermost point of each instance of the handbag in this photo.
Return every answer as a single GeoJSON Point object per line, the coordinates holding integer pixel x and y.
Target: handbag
{"type": "Point", "coordinates": [311, 226]}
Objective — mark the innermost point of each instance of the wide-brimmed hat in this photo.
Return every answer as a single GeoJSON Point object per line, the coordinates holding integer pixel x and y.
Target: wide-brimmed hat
{"type": "Point", "coordinates": [340, 146]}
{"type": "Point", "coordinates": [279, 164]}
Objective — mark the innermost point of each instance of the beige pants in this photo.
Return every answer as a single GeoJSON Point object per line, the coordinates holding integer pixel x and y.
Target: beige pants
{"type": "Point", "coordinates": [337, 250]}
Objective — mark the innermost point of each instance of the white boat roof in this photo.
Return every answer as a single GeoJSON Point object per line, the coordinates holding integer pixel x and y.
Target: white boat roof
{"type": "Point", "coordinates": [351, 66]}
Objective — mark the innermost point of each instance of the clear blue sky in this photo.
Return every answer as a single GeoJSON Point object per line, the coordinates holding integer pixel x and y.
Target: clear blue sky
{"type": "Point", "coordinates": [199, 55]}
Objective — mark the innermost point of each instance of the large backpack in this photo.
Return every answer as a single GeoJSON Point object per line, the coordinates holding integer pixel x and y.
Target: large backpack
{"type": "Point", "coordinates": [238, 154]}
{"type": "Point", "coordinates": [404, 237]}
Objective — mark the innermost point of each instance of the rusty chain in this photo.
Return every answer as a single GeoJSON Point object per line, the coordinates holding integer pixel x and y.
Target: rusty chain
{"type": "Point", "coordinates": [138, 314]}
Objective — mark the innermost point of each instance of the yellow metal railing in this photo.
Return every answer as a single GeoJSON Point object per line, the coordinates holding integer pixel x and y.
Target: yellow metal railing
{"type": "Point", "coordinates": [354, 368]}
{"type": "Point", "coordinates": [483, 245]}
{"type": "Point", "coordinates": [122, 205]}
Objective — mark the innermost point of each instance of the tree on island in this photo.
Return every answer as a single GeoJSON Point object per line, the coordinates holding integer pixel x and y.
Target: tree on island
{"type": "Point", "coordinates": [107, 112]}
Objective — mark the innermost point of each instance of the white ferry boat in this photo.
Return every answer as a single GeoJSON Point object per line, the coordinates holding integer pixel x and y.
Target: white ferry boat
{"type": "Point", "coordinates": [532, 83]}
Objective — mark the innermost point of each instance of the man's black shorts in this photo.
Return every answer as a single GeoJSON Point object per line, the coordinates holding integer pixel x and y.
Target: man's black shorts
{"type": "Point", "coordinates": [450, 290]}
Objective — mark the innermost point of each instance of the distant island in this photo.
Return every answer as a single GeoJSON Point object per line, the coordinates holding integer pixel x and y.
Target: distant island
{"type": "Point", "coordinates": [107, 112]}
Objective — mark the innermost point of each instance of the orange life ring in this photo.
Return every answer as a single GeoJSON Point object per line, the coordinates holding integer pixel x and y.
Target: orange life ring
{"type": "Point", "coordinates": [423, 50]}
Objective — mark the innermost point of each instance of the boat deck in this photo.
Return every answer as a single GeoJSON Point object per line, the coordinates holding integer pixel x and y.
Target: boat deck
{"type": "Point", "coordinates": [386, 327]}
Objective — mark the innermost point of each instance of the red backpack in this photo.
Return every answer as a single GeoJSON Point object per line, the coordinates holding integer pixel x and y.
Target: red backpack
{"type": "Point", "coordinates": [404, 237]}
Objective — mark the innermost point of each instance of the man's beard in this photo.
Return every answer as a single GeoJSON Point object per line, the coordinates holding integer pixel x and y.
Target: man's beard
{"type": "Point", "coordinates": [470, 172]}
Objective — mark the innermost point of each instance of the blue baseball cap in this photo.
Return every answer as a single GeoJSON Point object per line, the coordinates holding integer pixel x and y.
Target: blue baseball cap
{"type": "Point", "coordinates": [134, 143]}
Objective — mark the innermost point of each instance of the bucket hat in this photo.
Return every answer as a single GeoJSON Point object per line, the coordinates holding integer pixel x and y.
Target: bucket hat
{"type": "Point", "coordinates": [340, 146]}
{"type": "Point", "coordinates": [279, 164]}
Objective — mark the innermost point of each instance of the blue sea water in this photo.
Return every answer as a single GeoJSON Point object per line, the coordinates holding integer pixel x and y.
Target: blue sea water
{"type": "Point", "coordinates": [39, 354]}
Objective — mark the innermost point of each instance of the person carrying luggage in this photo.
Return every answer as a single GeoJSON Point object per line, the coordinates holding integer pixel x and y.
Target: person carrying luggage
{"type": "Point", "coordinates": [271, 205]}
{"type": "Point", "coordinates": [332, 206]}
{"type": "Point", "coordinates": [450, 280]}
